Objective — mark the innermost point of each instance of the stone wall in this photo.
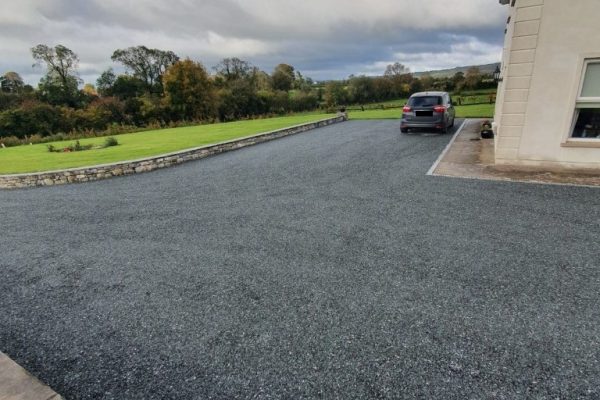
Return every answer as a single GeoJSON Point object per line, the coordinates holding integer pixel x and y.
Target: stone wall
{"type": "Point", "coordinates": [94, 173]}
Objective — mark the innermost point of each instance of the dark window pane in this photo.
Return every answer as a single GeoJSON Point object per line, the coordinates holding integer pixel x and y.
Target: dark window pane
{"type": "Point", "coordinates": [588, 123]}
{"type": "Point", "coordinates": [425, 101]}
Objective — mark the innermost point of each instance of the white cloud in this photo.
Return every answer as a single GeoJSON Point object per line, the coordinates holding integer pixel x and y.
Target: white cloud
{"type": "Point", "coordinates": [461, 51]}
{"type": "Point", "coordinates": [226, 46]}
{"type": "Point", "coordinates": [465, 51]}
{"type": "Point", "coordinates": [331, 38]}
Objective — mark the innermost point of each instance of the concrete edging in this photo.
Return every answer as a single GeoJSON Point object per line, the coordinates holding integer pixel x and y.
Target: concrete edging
{"type": "Point", "coordinates": [17, 384]}
{"type": "Point", "coordinates": [447, 148]}
{"type": "Point", "coordinates": [130, 167]}
{"type": "Point", "coordinates": [467, 156]}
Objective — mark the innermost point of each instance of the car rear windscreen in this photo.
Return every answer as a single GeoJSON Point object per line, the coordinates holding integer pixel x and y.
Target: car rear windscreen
{"type": "Point", "coordinates": [425, 101]}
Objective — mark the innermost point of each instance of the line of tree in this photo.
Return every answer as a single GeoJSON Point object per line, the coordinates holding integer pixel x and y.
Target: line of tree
{"type": "Point", "coordinates": [398, 82]}
{"type": "Point", "coordinates": [159, 89]}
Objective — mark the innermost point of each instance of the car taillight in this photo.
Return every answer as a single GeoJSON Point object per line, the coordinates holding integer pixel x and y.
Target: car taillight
{"type": "Point", "coordinates": [406, 109]}
{"type": "Point", "coordinates": [439, 109]}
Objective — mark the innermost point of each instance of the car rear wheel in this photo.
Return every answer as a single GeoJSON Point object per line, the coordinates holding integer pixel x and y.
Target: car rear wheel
{"type": "Point", "coordinates": [404, 130]}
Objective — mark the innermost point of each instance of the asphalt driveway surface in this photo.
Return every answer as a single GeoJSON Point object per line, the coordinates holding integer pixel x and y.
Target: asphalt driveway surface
{"type": "Point", "coordinates": [322, 265]}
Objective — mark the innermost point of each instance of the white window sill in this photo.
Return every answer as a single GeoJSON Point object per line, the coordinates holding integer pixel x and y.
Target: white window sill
{"type": "Point", "coordinates": [575, 142]}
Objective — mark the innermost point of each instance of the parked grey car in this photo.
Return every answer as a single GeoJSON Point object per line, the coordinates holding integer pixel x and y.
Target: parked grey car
{"type": "Point", "coordinates": [428, 110]}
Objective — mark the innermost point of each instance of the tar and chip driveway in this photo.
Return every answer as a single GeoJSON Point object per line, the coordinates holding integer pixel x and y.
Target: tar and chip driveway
{"type": "Point", "coordinates": [323, 265]}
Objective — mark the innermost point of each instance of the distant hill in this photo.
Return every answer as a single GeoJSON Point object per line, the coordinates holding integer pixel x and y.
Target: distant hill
{"type": "Point", "coordinates": [445, 73]}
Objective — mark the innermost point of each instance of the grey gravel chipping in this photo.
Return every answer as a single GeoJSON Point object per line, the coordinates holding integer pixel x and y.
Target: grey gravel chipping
{"type": "Point", "coordinates": [323, 265]}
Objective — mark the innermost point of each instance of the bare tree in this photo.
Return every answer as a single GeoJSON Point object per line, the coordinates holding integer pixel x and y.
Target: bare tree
{"type": "Point", "coordinates": [60, 84]}
{"type": "Point", "coordinates": [396, 69]}
{"type": "Point", "coordinates": [232, 69]}
{"type": "Point", "coordinates": [60, 61]}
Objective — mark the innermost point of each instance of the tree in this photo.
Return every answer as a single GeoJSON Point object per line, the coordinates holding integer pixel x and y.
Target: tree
{"type": "Point", "coordinates": [146, 64]}
{"type": "Point", "coordinates": [32, 117]}
{"type": "Point", "coordinates": [189, 90]}
{"type": "Point", "coordinates": [59, 85]}
{"type": "Point", "coordinates": [302, 83]}
{"type": "Point", "coordinates": [232, 69]}
{"type": "Point", "coordinates": [262, 79]}
{"type": "Point", "coordinates": [299, 81]}
{"type": "Point", "coordinates": [396, 69]}
{"type": "Point", "coordinates": [416, 86]}
{"type": "Point", "coordinates": [239, 99]}
{"type": "Point", "coordinates": [11, 82]}
{"type": "Point", "coordinates": [362, 89]}
{"type": "Point", "coordinates": [127, 87]}
{"type": "Point", "coordinates": [472, 78]}
{"type": "Point", "coordinates": [55, 92]}
{"type": "Point", "coordinates": [458, 77]}
{"type": "Point", "coordinates": [427, 82]}
{"type": "Point", "coordinates": [283, 77]}
{"type": "Point", "coordinates": [105, 82]}
{"type": "Point", "coordinates": [60, 61]}
{"type": "Point", "coordinates": [89, 90]}
{"type": "Point", "coordinates": [457, 82]}
{"type": "Point", "coordinates": [400, 76]}
{"type": "Point", "coordinates": [303, 101]}
{"type": "Point", "coordinates": [335, 94]}
{"type": "Point", "coordinates": [239, 84]}
{"type": "Point", "coordinates": [383, 88]}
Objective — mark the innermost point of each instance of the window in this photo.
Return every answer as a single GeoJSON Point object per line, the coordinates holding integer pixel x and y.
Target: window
{"type": "Point", "coordinates": [425, 101]}
{"type": "Point", "coordinates": [587, 108]}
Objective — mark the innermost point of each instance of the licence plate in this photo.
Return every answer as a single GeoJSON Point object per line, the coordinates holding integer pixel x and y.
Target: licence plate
{"type": "Point", "coordinates": [424, 113]}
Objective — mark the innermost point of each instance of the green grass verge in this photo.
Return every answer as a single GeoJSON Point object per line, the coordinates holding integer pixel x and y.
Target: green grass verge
{"type": "Point", "coordinates": [36, 158]}
{"type": "Point", "coordinates": [471, 111]}
{"type": "Point", "coordinates": [476, 111]}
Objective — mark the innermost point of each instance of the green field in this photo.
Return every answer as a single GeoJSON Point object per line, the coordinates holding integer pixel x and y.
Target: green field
{"type": "Point", "coordinates": [133, 146]}
{"type": "Point", "coordinates": [36, 158]}
{"type": "Point", "coordinates": [467, 98]}
{"type": "Point", "coordinates": [471, 111]}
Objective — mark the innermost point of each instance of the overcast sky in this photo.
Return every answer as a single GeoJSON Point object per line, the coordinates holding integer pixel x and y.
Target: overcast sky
{"type": "Point", "coordinates": [324, 39]}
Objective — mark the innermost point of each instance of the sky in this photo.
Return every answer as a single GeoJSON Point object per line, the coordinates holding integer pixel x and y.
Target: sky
{"type": "Point", "coordinates": [324, 39]}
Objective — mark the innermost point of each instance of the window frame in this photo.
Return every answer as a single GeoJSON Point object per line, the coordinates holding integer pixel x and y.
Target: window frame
{"type": "Point", "coordinates": [586, 100]}
{"type": "Point", "coordinates": [579, 102]}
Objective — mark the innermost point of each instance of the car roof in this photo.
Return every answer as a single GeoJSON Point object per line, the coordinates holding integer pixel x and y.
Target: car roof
{"type": "Point", "coordinates": [421, 94]}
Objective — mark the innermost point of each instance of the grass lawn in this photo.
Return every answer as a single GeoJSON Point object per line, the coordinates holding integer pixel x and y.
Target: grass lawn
{"type": "Point", "coordinates": [470, 111]}
{"type": "Point", "coordinates": [476, 111]}
{"type": "Point", "coordinates": [133, 146]}
{"type": "Point", "coordinates": [386, 104]}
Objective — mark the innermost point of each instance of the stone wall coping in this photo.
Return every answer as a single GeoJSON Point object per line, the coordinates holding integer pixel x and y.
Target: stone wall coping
{"type": "Point", "coordinates": [147, 164]}
{"type": "Point", "coordinates": [174, 153]}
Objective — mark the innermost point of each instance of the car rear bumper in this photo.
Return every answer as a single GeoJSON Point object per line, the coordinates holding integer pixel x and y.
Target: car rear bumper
{"type": "Point", "coordinates": [436, 124]}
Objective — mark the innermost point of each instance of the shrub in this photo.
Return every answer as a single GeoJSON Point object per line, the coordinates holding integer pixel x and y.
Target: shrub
{"type": "Point", "coordinates": [111, 141]}
{"type": "Point", "coordinates": [74, 147]}
{"type": "Point", "coordinates": [10, 141]}
{"type": "Point", "coordinates": [31, 118]}
{"type": "Point", "coordinates": [79, 147]}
